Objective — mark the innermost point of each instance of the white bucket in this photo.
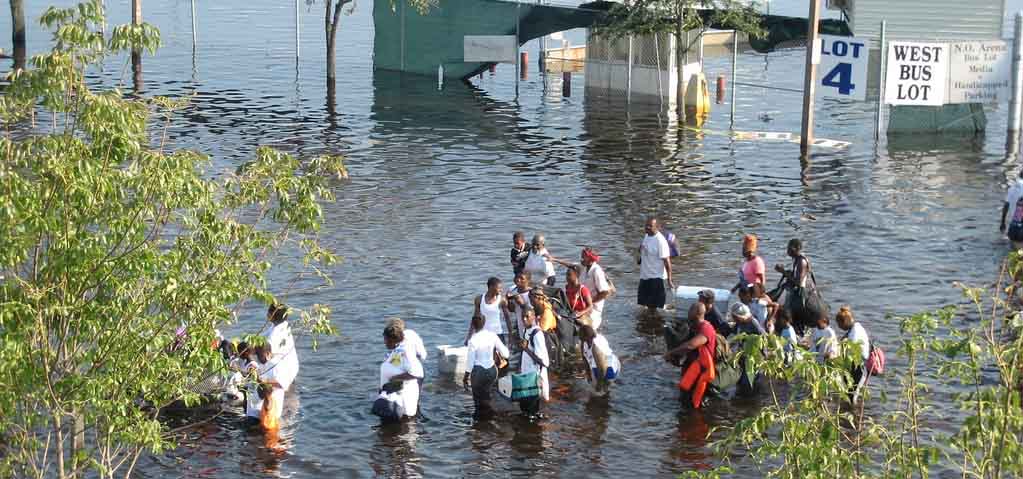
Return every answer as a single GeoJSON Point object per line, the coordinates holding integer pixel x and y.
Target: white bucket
{"type": "Point", "coordinates": [504, 386]}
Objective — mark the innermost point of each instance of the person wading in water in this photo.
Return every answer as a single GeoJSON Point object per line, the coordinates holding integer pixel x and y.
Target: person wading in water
{"type": "Point", "coordinates": [654, 268]}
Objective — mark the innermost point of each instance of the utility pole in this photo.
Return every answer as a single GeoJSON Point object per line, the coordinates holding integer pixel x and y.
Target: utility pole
{"type": "Point", "coordinates": [136, 53]}
{"type": "Point", "coordinates": [809, 83]}
{"type": "Point", "coordinates": [18, 33]}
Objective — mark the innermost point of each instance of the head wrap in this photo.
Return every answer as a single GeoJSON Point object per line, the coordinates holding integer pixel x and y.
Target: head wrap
{"type": "Point", "coordinates": [591, 255]}
{"type": "Point", "coordinates": [749, 242]}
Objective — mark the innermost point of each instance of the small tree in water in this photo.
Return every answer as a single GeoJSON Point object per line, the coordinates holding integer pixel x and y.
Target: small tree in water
{"type": "Point", "coordinates": [110, 244]}
{"type": "Point", "coordinates": [676, 17]}
{"type": "Point", "coordinates": [332, 24]}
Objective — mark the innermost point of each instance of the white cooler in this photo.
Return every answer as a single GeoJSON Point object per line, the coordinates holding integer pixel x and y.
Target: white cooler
{"type": "Point", "coordinates": [451, 361]}
{"type": "Point", "coordinates": [686, 296]}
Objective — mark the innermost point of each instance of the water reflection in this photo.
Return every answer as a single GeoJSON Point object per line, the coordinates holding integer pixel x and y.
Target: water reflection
{"type": "Point", "coordinates": [394, 453]}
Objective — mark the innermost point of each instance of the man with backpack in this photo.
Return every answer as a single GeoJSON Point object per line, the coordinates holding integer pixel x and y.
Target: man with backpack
{"type": "Point", "coordinates": [1014, 204]}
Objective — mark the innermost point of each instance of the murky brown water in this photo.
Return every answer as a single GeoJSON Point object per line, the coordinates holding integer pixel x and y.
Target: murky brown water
{"type": "Point", "coordinates": [442, 178]}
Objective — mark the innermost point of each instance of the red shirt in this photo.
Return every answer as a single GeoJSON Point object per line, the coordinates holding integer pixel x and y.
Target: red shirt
{"type": "Point", "coordinates": [576, 295]}
{"type": "Point", "coordinates": [707, 330]}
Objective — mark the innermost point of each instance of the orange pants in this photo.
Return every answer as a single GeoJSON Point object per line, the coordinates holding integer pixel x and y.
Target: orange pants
{"type": "Point", "coordinates": [696, 377]}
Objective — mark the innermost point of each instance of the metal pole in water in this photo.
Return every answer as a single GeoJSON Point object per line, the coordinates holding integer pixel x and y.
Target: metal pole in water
{"type": "Point", "coordinates": [810, 80]}
{"type": "Point", "coordinates": [657, 56]}
{"type": "Point", "coordinates": [735, 62]}
{"type": "Point", "coordinates": [628, 78]}
{"type": "Point", "coordinates": [700, 52]}
{"type": "Point", "coordinates": [440, 76]}
{"type": "Point", "coordinates": [1015, 109]}
{"type": "Point", "coordinates": [297, 31]}
{"type": "Point", "coordinates": [518, 20]}
{"type": "Point", "coordinates": [881, 73]}
{"type": "Point", "coordinates": [195, 37]}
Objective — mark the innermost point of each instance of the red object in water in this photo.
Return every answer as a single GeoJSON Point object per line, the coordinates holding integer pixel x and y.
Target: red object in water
{"type": "Point", "coordinates": [721, 89]}
{"type": "Point", "coordinates": [699, 373]}
{"type": "Point", "coordinates": [566, 84]}
{"type": "Point", "coordinates": [523, 64]}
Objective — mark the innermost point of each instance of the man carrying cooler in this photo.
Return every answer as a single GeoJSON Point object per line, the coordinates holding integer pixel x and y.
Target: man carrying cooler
{"type": "Point", "coordinates": [654, 268]}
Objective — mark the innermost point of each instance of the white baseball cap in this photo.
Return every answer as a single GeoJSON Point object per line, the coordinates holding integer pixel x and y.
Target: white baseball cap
{"type": "Point", "coordinates": [740, 311]}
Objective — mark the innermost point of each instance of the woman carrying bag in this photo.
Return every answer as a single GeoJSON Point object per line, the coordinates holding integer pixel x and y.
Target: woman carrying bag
{"type": "Point", "coordinates": [534, 360]}
{"type": "Point", "coordinates": [803, 299]}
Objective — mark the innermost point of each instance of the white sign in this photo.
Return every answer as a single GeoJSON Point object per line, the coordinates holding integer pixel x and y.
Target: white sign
{"type": "Point", "coordinates": [979, 72]}
{"type": "Point", "coordinates": [490, 48]}
{"type": "Point", "coordinates": [842, 72]}
{"type": "Point", "coordinates": [917, 73]}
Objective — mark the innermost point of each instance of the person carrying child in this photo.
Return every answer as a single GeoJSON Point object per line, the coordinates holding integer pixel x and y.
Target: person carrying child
{"type": "Point", "coordinates": [604, 366]}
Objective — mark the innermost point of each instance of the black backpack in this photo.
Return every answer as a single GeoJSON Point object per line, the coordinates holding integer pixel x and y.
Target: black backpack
{"type": "Point", "coordinates": [1015, 232]}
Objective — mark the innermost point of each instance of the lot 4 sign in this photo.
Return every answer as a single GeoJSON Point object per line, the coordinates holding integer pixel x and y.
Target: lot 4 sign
{"type": "Point", "coordinates": [917, 73]}
{"type": "Point", "coordinates": [843, 68]}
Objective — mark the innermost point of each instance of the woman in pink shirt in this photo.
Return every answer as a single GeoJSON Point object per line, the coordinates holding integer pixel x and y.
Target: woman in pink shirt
{"type": "Point", "coordinates": [753, 270]}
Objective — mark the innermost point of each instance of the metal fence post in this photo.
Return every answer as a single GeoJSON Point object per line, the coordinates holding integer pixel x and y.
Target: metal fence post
{"type": "Point", "coordinates": [735, 62]}
{"type": "Point", "coordinates": [1015, 109]}
{"type": "Point", "coordinates": [628, 78]}
{"type": "Point", "coordinates": [883, 64]}
{"type": "Point", "coordinates": [518, 20]}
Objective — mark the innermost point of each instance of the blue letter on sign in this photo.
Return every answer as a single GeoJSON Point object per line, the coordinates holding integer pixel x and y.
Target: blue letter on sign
{"type": "Point", "coordinates": [843, 72]}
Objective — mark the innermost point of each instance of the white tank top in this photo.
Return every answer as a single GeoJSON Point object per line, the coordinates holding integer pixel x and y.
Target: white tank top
{"type": "Point", "coordinates": [492, 314]}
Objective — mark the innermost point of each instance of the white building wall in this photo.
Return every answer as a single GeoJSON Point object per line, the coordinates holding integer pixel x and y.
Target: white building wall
{"type": "Point", "coordinates": [925, 20]}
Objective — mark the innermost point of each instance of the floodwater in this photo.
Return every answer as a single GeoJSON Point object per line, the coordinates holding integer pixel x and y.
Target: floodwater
{"type": "Point", "coordinates": [441, 179]}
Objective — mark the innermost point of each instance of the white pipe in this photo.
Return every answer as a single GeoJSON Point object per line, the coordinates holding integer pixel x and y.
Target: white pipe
{"type": "Point", "coordinates": [195, 36]}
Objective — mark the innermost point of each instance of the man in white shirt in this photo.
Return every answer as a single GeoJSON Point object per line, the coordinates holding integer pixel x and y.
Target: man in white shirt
{"type": "Point", "coordinates": [654, 268]}
{"type": "Point", "coordinates": [595, 280]}
{"type": "Point", "coordinates": [1012, 197]}
{"type": "Point", "coordinates": [480, 367]}
{"type": "Point", "coordinates": [284, 356]}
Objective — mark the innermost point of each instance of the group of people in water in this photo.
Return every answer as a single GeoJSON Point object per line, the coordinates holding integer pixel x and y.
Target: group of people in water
{"type": "Point", "coordinates": [525, 322]}
{"type": "Point", "coordinates": [261, 371]}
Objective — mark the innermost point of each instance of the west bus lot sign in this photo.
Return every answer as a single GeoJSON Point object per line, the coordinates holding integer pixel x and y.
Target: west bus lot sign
{"type": "Point", "coordinates": [979, 72]}
{"type": "Point", "coordinates": [917, 73]}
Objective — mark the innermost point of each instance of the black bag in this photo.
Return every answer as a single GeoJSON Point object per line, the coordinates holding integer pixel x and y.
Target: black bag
{"type": "Point", "coordinates": [1015, 231]}
{"type": "Point", "coordinates": [387, 408]}
{"type": "Point", "coordinates": [393, 387]}
{"type": "Point", "coordinates": [805, 303]}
